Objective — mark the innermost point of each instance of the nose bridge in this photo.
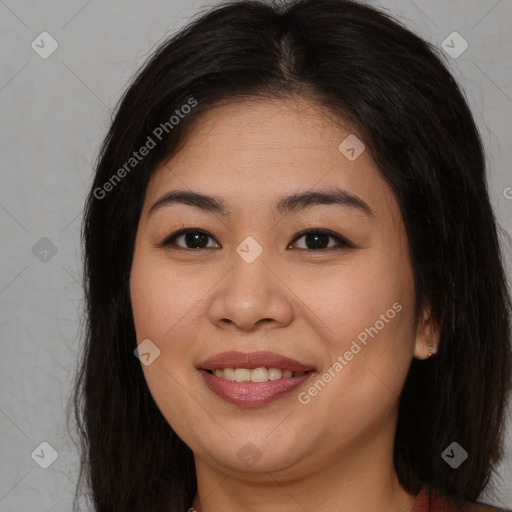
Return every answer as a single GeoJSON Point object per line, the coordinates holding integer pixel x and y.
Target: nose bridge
{"type": "Point", "coordinates": [250, 250]}
{"type": "Point", "coordinates": [251, 277]}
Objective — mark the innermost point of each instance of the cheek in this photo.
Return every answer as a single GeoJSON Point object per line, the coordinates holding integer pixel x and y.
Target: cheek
{"type": "Point", "coordinates": [364, 313]}
{"type": "Point", "coordinates": [165, 309]}
{"type": "Point", "coordinates": [366, 318]}
{"type": "Point", "coordinates": [347, 300]}
{"type": "Point", "coordinates": [163, 301]}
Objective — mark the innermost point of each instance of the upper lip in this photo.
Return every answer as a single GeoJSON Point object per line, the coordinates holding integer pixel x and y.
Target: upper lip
{"type": "Point", "coordinates": [251, 360]}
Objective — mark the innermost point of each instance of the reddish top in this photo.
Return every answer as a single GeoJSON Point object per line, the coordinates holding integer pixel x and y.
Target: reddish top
{"type": "Point", "coordinates": [440, 504]}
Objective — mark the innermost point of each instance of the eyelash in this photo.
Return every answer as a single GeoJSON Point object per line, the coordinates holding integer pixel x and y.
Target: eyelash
{"type": "Point", "coordinates": [343, 243]}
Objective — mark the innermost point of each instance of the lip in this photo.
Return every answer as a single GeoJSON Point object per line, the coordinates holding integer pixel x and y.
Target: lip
{"type": "Point", "coordinates": [252, 394]}
{"type": "Point", "coordinates": [251, 360]}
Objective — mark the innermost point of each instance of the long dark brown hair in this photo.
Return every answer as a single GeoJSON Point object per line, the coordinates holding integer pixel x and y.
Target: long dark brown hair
{"type": "Point", "coordinates": [396, 91]}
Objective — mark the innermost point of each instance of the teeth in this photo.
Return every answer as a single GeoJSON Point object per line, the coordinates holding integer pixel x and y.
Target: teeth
{"type": "Point", "coordinates": [242, 375]}
{"type": "Point", "coordinates": [274, 373]}
{"type": "Point", "coordinates": [260, 374]}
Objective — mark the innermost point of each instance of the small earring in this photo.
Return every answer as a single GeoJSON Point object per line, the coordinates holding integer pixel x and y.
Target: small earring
{"type": "Point", "coordinates": [430, 348]}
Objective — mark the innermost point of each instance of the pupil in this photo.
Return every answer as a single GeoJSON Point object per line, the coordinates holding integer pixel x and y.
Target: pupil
{"type": "Point", "coordinates": [196, 238]}
{"type": "Point", "coordinates": [316, 245]}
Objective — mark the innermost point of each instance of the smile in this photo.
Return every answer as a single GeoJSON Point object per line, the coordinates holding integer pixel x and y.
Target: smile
{"type": "Point", "coordinates": [252, 393]}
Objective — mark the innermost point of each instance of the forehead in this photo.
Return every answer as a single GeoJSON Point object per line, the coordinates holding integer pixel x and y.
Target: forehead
{"type": "Point", "coordinates": [253, 152]}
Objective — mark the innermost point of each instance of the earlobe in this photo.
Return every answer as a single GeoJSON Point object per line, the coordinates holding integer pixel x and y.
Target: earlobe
{"type": "Point", "coordinates": [427, 336]}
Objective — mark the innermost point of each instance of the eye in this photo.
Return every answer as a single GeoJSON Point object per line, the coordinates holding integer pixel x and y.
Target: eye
{"type": "Point", "coordinates": [318, 240]}
{"type": "Point", "coordinates": [195, 237]}
{"type": "Point", "coordinates": [315, 240]}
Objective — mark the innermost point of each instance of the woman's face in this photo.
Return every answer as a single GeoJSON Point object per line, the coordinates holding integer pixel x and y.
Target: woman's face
{"type": "Point", "coordinates": [248, 282]}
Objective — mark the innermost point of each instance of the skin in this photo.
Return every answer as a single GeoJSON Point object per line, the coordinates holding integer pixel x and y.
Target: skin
{"type": "Point", "coordinates": [335, 452]}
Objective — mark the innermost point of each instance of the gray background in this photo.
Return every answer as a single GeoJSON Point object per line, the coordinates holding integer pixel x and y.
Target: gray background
{"type": "Point", "coordinates": [54, 114]}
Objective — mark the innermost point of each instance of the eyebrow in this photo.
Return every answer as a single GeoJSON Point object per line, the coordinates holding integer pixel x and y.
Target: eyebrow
{"type": "Point", "coordinates": [298, 201]}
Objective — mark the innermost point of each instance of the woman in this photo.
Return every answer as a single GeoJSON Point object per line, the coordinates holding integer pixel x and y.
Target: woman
{"type": "Point", "coordinates": [296, 299]}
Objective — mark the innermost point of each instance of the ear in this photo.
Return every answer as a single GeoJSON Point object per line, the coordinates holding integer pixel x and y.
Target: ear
{"type": "Point", "coordinates": [427, 333]}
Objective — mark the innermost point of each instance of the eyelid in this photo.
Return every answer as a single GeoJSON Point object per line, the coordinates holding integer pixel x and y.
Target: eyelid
{"type": "Point", "coordinates": [342, 242]}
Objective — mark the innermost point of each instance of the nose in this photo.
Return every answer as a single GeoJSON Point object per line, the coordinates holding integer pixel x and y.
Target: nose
{"type": "Point", "coordinates": [252, 296]}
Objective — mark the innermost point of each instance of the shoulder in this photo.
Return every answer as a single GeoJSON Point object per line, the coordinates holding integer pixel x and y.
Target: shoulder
{"type": "Point", "coordinates": [426, 502]}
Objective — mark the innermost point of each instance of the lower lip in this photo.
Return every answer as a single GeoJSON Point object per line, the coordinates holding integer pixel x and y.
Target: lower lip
{"type": "Point", "coordinates": [252, 394]}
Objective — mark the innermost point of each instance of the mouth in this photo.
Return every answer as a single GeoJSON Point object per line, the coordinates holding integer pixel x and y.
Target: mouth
{"type": "Point", "coordinates": [253, 379]}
